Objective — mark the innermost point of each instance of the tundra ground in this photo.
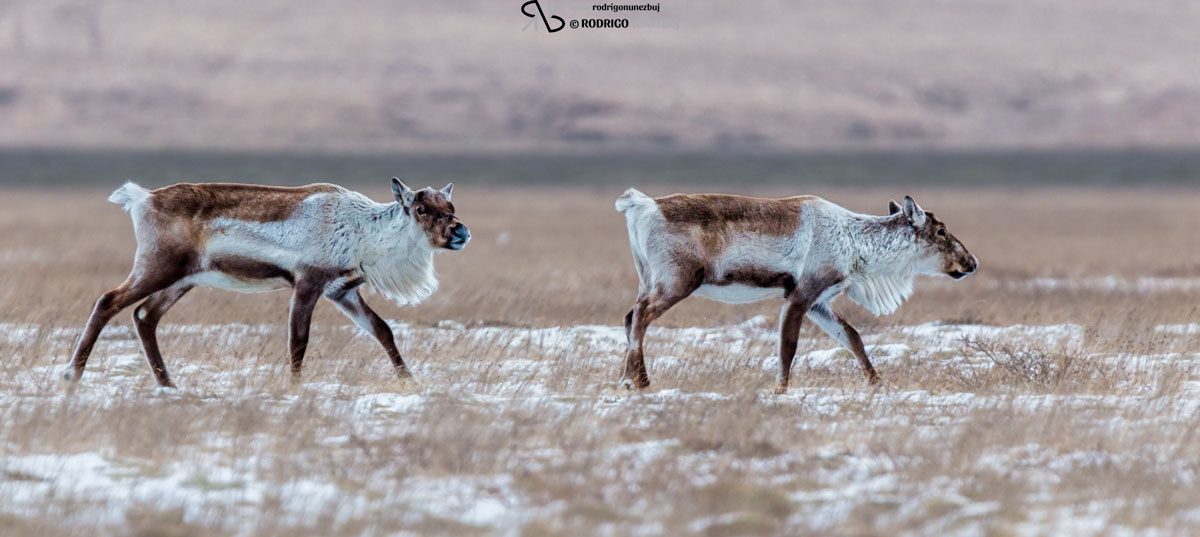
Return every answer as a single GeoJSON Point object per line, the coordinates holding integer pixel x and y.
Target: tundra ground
{"type": "Point", "coordinates": [1055, 392]}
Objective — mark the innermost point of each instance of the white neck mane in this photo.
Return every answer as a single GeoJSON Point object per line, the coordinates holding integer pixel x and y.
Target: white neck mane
{"type": "Point", "coordinates": [396, 257]}
{"type": "Point", "coordinates": [881, 264]}
{"type": "Point", "coordinates": [881, 294]}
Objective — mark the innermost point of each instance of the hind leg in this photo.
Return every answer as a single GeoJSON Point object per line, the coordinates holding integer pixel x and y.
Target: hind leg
{"type": "Point", "coordinates": [645, 312]}
{"type": "Point", "coordinates": [139, 285]}
{"type": "Point", "coordinates": [642, 292]}
{"type": "Point", "coordinates": [145, 320]}
{"type": "Point", "coordinates": [629, 322]}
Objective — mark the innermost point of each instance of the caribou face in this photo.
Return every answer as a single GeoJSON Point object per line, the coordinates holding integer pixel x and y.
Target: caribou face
{"type": "Point", "coordinates": [434, 213]}
{"type": "Point", "coordinates": [944, 253]}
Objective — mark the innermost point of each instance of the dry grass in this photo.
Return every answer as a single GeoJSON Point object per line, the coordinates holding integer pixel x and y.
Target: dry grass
{"type": "Point", "coordinates": [514, 429]}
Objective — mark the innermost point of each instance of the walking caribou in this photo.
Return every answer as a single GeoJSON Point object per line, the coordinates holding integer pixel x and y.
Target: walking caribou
{"type": "Point", "coordinates": [319, 240]}
{"type": "Point", "coordinates": [802, 249]}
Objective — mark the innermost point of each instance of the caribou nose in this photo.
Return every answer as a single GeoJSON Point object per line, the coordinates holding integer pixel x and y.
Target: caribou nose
{"type": "Point", "coordinates": [459, 235]}
{"type": "Point", "coordinates": [461, 232]}
{"type": "Point", "coordinates": [972, 265]}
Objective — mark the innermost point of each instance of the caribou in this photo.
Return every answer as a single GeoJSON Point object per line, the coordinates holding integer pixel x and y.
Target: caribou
{"type": "Point", "coordinates": [320, 240]}
{"type": "Point", "coordinates": [804, 250]}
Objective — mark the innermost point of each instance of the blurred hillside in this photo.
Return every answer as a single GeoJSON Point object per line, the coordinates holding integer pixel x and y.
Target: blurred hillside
{"type": "Point", "coordinates": [378, 75]}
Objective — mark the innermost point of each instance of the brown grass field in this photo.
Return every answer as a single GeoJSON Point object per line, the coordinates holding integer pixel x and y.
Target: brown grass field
{"type": "Point", "coordinates": [1054, 392]}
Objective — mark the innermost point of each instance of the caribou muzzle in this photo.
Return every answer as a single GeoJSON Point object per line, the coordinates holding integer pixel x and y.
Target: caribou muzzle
{"type": "Point", "coordinates": [971, 265]}
{"type": "Point", "coordinates": [458, 237]}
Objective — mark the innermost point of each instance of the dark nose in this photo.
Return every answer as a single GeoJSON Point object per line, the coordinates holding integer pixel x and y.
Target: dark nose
{"type": "Point", "coordinates": [972, 264]}
{"type": "Point", "coordinates": [461, 232]}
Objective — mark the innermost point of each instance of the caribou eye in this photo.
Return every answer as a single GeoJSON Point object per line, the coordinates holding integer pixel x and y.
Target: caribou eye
{"type": "Point", "coordinates": [941, 232]}
{"type": "Point", "coordinates": [420, 211]}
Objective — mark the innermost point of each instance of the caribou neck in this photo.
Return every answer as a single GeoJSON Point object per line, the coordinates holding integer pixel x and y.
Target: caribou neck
{"type": "Point", "coordinates": [882, 245]}
{"type": "Point", "coordinates": [395, 256]}
{"type": "Point", "coordinates": [879, 270]}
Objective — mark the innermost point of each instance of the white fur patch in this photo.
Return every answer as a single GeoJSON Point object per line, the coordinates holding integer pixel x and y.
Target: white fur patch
{"type": "Point", "coordinates": [738, 294]}
{"type": "Point", "coordinates": [129, 196]}
{"type": "Point", "coordinates": [406, 279]}
{"type": "Point", "coordinates": [880, 294]}
{"type": "Point", "coordinates": [223, 281]}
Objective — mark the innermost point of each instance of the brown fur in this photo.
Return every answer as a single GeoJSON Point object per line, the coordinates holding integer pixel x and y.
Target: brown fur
{"type": "Point", "coordinates": [245, 268]}
{"type": "Point", "coordinates": [435, 214]}
{"type": "Point", "coordinates": [753, 277]}
{"type": "Point", "coordinates": [712, 219]}
{"type": "Point", "coordinates": [256, 203]}
{"type": "Point", "coordinates": [145, 319]}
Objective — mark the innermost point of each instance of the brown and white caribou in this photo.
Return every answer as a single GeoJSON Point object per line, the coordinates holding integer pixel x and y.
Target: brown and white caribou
{"type": "Point", "coordinates": [803, 249]}
{"type": "Point", "coordinates": [319, 240]}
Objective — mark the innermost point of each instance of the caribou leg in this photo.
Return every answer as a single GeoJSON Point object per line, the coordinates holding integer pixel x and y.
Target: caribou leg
{"type": "Point", "coordinates": [837, 328]}
{"type": "Point", "coordinates": [351, 303]}
{"type": "Point", "coordinates": [135, 288]}
{"type": "Point", "coordinates": [789, 333]}
{"type": "Point", "coordinates": [145, 320]}
{"type": "Point", "coordinates": [798, 303]}
{"type": "Point", "coordinates": [645, 312]}
{"type": "Point", "coordinates": [304, 298]}
{"type": "Point", "coordinates": [629, 326]}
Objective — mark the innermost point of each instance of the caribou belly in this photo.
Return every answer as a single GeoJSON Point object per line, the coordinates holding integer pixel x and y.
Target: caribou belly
{"type": "Point", "coordinates": [224, 281]}
{"type": "Point", "coordinates": [737, 293]}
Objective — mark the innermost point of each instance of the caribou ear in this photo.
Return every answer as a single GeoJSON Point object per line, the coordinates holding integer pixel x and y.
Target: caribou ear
{"type": "Point", "coordinates": [913, 212]}
{"type": "Point", "coordinates": [893, 207]}
{"type": "Point", "coordinates": [447, 190]}
{"type": "Point", "coordinates": [403, 194]}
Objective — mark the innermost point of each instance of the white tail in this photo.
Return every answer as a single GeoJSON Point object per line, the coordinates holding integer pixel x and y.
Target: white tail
{"type": "Point", "coordinates": [129, 195]}
{"type": "Point", "coordinates": [632, 198]}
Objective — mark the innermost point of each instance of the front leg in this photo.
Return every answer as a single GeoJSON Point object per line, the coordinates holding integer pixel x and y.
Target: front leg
{"type": "Point", "coordinates": [837, 328]}
{"type": "Point", "coordinates": [304, 299]}
{"type": "Point", "coordinates": [351, 303]}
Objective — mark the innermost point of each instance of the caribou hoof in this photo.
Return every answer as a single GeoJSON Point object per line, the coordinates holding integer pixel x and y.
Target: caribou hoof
{"type": "Point", "coordinates": [69, 374]}
{"type": "Point", "coordinates": [782, 390]}
{"type": "Point", "coordinates": [631, 385]}
{"type": "Point", "coordinates": [409, 384]}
